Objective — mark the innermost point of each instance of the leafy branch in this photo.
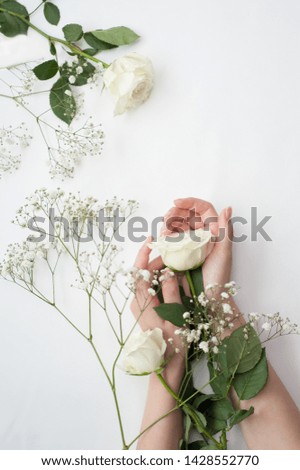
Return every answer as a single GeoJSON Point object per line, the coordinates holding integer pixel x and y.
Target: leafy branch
{"type": "Point", "coordinates": [84, 46]}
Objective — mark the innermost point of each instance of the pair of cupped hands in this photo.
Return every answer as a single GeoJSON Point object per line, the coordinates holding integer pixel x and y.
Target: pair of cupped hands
{"type": "Point", "coordinates": [216, 268]}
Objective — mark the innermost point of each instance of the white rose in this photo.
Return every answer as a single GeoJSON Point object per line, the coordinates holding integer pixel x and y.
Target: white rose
{"type": "Point", "coordinates": [144, 351]}
{"type": "Point", "coordinates": [130, 81]}
{"type": "Point", "coordinates": [181, 252]}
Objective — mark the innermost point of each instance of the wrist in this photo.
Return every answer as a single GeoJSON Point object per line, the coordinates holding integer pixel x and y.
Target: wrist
{"type": "Point", "coordinates": [174, 371]}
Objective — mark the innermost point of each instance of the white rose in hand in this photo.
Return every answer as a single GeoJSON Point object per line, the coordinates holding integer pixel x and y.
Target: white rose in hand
{"type": "Point", "coordinates": [144, 352]}
{"type": "Point", "coordinates": [130, 81]}
{"type": "Point", "coordinates": [185, 250]}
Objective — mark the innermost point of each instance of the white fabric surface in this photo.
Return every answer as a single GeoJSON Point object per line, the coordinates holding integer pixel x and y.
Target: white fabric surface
{"type": "Point", "coordinates": [222, 124]}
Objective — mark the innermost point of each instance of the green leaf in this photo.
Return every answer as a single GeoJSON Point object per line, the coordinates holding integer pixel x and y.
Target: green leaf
{"type": "Point", "coordinates": [250, 383]}
{"type": "Point", "coordinates": [187, 427]}
{"type": "Point", "coordinates": [87, 70]}
{"type": "Point", "coordinates": [221, 409]}
{"type": "Point", "coordinates": [239, 416]}
{"type": "Point", "coordinates": [197, 278]}
{"type": "Point", "coordinates": [73, 32]}
{"type": "Point", "coordinates": [90, 51]}
{"type": "Point", "coordinates": [219, 380]}
{"type": "Point", "coordinates": [201, 399]}
{"type": "Point", "coordinates": [46, 70]}
{"type": "Point", "coordinates": [243, 354]}
{"type": "Point", "coordinates": [62, 104]}
{"type": "Point", "coordinates": [217, 415]}
{"type": "Point", "coordinates": [171, 312]}
{"type": "Point", "coordinates": [197, 445]}
{"type": "Point", "coordinates": [199, 421]}
{"type": "Point", "coordinates": [221, 359]}
{"type": "Point", "coordinates": [187, 302]}
{"type": "Point", "coordinates": [52, 13]}
{"type": "Point", "coordinates": [96, 43]}
{"type": "Point", "coordinates": [215, 425]}
{"type": "Point", "coordinates": [52, 49]}
{"type": "Point", "coordinates": [210, 447]}
{"type": "Point", "coordinates": [10, 25]}
{"type": "Point", "coordinates": [117, 36]}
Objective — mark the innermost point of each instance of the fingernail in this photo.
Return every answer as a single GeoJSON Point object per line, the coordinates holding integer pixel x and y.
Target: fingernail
{"type": "Point", "coordinates": [228, 213]}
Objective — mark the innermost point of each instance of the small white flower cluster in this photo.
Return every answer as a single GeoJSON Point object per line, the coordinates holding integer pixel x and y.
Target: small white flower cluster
{"type": "Point", "coordinates": [20, 259]}
{"type": "Point", "coordinates": [205, 326]}
{"type": "Point", "coordinates": [230, 289]}
{"type": "Point", "coordinates": [21, 80]}
{"type": "Point", "coordinates": [155, 279]}
{"type": "Point", "coordinates": [79, 71]}
{"type": "Point", "coordinates": [201, 334]}
{"type": "Point", "coordinates": [95, 81]}
{"type": "Point", "coordinates": [96, 264]}
{"type": "Point", "coordinates": [99, 269]}
{"type": "Point", "coordinates": [73, 145]}
{"type": "Point", "coordinates": [12, 141]}
{"type": "Point", "coordinates": [81, 212]}
{"type": "Point", "coordinates": [272, 325]}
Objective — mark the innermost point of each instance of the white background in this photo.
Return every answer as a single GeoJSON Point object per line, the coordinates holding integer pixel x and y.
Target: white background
{"type": "Point", "coordinates": [222, 124]}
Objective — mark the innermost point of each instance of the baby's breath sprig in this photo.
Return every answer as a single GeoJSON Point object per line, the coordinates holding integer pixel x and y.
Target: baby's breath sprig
{"type": "Point", "coordinates": [66, 146]}
{"type": "Point", "coordinates": [94, 267]}
{"type": "Point", "coordinates": [13, 140]}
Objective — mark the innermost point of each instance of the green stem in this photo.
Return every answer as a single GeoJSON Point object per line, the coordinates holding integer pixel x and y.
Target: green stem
{"type": "Point", "coordinates": [125, 446]}
{"type": "Point", "coordinates": [53, 39]}
{"type": "Point", "coordinates": [69, 321]}
{"type": "Point", "coordinates": [33, 11]}
{"type": "Point", "coordinates": [112, 384]}
{"type": "Point", "coordinates": [90, 317]}
{"type": "Point", "coordinates": [223, 440]}
{"type": "Point", "coordinates": [191, 284]}
{"type": "Point", "coordinates": [187, 409]}
{"type": "Point", "coordinates": [114, 391]}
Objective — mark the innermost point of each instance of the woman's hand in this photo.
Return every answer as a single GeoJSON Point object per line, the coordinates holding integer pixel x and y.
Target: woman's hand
{"type": "Point", "coordinates": [167, 431]}
{"type": "Point", "coordinates": [143, 303]}
{"type": "Point", "coordinates": [190, 214]}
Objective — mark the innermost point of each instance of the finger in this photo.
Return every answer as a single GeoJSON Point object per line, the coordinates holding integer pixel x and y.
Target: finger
{"type": "Point", "coordinates": [170, 289]}
{"type": "Point", "coordinates": [175, 220]}
{"type": "Point", "coordinates": [174, 228]}
{"type": "Point", "coordinates": [204, 208]}
{"type": "Point", "coordinates": [177, 212]}
{"type": "Point", "coordinates": [224, 239]}
{"type": "Point", "coordinates": [142, 259]}
{"type": "Point", "coordinates": [186, 287]}
{"type": "Point", "coordinates": [143, 301]}
{"type": "Point", "coordinates": [156, 264]}
{"type": "Point", "coordinates": [192, 202]}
